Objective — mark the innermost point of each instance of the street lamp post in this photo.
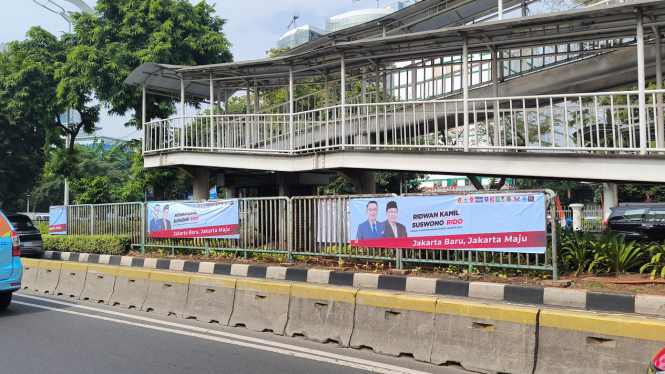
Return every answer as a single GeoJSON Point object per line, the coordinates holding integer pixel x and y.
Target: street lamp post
{"type": "Point", "coordinates": [27, 209]}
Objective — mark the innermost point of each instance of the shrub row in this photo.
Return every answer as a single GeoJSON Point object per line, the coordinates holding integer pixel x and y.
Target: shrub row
{"type": "Point", "coordinates": [611, 253]}
{"type": "Point", "coordinates": [97, 244]}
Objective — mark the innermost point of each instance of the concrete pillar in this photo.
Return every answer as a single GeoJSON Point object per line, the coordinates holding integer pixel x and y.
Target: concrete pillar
{"type": "Point", "coordinates": [231, 192]}
{"type": "Point", "coordinates": [367, 181]}
{"type": "Point", "coordinates": [609, 199]}
{"type": "Point", "coordinates": [577, 216]}
{"type": "Point", "coordinates": [284, 189]}
{"type": "Point", "coordinates": [202, 184]}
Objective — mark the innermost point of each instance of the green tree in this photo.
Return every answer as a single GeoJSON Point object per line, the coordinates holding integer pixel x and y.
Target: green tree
{"type": "Point", "coordinates": [569, 192]}
{"type": "Point", "coordinates": [28, 110]}
{"type": "Point", "coordinates": [123, 34]}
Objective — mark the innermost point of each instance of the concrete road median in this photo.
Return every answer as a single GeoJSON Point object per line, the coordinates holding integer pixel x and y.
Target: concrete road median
{"type": "Point", "coordinates": [261, 305]}
{"type": "Point", "coordinates": [210, 298]}
{"type": "Point", "coordinates": [48, 275]}
{"type": "Point", "coordinates": [322, 313]}
{"type": "Point", "coordinates": [131, 288]}
{"type": "Point", "coordinates": [485, 337]}
{"type": "Point", "coordinates": [30, 270]}
{"type": "Point", "coordinates": [394, 324]}
{"type": "Point", "coordinates": [167, 293]}
{"type": "Point", "coordinates": [72, 280]}
{"type": "Point", "coordinates": [585, 342]}
{"type": "Point", "coordinates": [99, 283]}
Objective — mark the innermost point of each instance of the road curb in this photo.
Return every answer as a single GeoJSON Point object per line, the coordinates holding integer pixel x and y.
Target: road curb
{"type": "Point", "coordinates": [596, 301]}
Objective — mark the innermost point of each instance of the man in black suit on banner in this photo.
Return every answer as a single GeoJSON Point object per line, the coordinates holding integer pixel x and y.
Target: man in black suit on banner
{"type": "Point", "coordinates": [393, 228]}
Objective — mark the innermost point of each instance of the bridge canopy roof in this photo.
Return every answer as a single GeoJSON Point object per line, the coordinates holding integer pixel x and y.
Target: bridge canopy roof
{"type": "Point", "coordinates": [598, 23]}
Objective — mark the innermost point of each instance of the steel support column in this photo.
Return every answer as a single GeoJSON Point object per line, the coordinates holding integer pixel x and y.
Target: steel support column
{"type": "Point", "coordinates": [465, 90]}
{"type": "Point", "coordinates": [659, 85]}
{"type": "Point", "coordinates": [182, 113]}
{"type": "Point", "coordinates": [327, 99]}
{"type": "Point", "coordinates": [212, 110]}
{"type": "Point", "coordinates": [342, 98]}
{"type": "Point", "coordinates": [247, 118]}
{"type": "Point", "coordinates": [143, 118]}
{"type": "Point", "coordinates": [500, 11]}
{"type": "Point", "coordinates": [641, 85]}
{"type": "Point", "coordinates": [257, 98]}
{"type": "Point", "coordinates": [291, 129]}
{"type": "Point", "coordinates": [495, 90]}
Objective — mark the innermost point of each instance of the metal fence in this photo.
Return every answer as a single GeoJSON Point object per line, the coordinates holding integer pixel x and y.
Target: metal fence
{"type": "Point", "coordinates": [592, 218]}
{"type": "Point", "coordinates": [322, 227]}
{"type": "Point", "coordinates": [299, 226]}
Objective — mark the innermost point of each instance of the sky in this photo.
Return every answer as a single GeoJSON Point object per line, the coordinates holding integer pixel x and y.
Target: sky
{"type": "Point", "coordinates": [253, 27]}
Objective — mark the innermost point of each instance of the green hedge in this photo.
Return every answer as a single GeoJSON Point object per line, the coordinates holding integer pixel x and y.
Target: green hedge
{"type": "Point", "coordinates": [98, 244]}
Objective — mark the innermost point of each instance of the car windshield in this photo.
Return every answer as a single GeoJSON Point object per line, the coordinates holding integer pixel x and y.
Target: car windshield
{"type": "Point", "coordinates": [21, 223]}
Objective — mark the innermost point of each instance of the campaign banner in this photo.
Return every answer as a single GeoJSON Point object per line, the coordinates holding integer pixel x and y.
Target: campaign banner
{"type": "Point", "coordinates": [214, 219]}
{"type": "Point", "coordinates": [57, 220]}
{"type": "Point", "coordinates": [488, 222]}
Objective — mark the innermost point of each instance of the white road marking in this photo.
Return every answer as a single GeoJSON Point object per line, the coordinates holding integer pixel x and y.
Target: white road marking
{"type": "Point", "coordinates": [261, 344]}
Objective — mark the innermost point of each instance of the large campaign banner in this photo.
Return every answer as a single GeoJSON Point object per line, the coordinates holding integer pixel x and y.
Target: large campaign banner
{"type": "Point", "coordinates": [489, 222]}
{"type": "Point", "coordinates": [57, 220]}
{"type": "Point", "coordinates": [214, 219]}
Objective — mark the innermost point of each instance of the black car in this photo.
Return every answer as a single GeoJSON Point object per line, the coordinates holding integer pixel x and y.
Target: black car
{"type": "Point", "coordinates": [644, 222]}
{"type": "Point", "coordinates": [31, 238]}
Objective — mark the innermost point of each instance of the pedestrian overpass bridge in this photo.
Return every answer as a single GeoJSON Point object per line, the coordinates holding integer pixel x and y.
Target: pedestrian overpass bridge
{"type": "Point", "coordinates": [540, 96]}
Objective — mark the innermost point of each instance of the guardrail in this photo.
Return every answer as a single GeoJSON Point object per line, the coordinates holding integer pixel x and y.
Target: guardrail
{"type": "Point", "coordinates": [285, 227]}
{"type": "Point", "coordinates": [602, 123]}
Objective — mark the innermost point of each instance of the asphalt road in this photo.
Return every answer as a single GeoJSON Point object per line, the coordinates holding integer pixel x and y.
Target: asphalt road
{"type": "Point", "coordinates": [46, 334]}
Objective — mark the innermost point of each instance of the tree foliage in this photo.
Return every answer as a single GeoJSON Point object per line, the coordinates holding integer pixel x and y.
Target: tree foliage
{"type": "Point", "coordinates": [28, 108]}
{"type": "Point", "coordinates": [123, 34]}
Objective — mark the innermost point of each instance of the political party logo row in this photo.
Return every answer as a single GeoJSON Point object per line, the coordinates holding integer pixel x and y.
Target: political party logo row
{"type": "Point", "coordinates": [497, 199]}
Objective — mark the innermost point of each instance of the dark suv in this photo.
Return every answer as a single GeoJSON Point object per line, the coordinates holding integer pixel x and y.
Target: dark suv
{"type": "Point", "coordinates": [639, 221]}
{"type": "Point", "coordinates": [31, 238]}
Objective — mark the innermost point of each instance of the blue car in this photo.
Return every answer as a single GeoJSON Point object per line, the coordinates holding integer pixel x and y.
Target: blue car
{"type": "Point", "coordinates": [11, 269]}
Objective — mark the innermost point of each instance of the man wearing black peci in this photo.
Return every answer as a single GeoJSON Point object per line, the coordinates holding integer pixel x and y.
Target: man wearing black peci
{"type": "Point", "coordinates": [393, 228]}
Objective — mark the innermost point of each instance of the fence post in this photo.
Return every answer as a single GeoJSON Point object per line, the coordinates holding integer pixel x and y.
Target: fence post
{"type": "Point", "coordinates": [399, 264]}
{"type": "Point", "coordinates": [554, 230]}
{"type": "Point", "coordinates": [92, 219]}
{"type": "Point", "coordinates": [339, 230]}
{"type": "Point", "coordinates": [207, 242]}
{"type": "Point", "coordinates": [143, 227]}
{"type": "Point", "coordinates": [116, 219]}
{"type": "Point", "coordinates": [289, 229]}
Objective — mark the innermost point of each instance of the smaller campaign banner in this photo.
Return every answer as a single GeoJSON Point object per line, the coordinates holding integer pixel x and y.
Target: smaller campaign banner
{"type": "Point", "coordinates": [57, 220]}
{"type": "Point", "coordinates": [213, 219]}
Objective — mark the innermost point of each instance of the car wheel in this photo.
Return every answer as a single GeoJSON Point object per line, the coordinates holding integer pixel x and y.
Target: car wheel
{"type": "Point", "coordinates": [5, 300]}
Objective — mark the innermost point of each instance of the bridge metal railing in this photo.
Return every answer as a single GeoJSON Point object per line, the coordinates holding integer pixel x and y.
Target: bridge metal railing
{"type": "Point", "coordinates": [605, 123]}
{"type": "Point", "coordinates": [280, 228]}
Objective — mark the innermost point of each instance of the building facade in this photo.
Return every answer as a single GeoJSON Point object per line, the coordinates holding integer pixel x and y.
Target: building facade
{"type": "Point", "coordinates": [299, 36]}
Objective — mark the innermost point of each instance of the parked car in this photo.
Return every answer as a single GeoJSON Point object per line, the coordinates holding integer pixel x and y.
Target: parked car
{"type": "Point", "coordinates": [657, 364]}
{"type": "Point", "coordinates": [11, 269]}
{"type": "Point", "coordinates": [31, 238]}
{"type": "Point", "coordinates": [644, 222]}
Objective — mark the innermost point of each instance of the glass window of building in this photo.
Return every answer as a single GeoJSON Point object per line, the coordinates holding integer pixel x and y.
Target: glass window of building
{"type": "Point", "coordinates": [299, 36]}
